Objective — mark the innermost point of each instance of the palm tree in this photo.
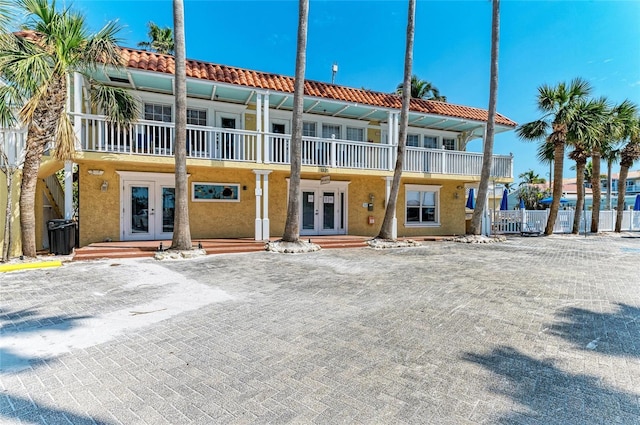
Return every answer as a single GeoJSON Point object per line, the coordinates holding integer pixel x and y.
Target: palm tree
{"type": "Point", "coordinates": [629, 154]}
{"type": "Point", "coordinates": [292, 224]}
{"type": "Point", "coordinates": [387, 228]}
{"type": "Point", "coordinates": [583, 134]}
{"type": "Point", "coordinates": [181, 230]}
{"type": "Point", "coordinates": [475, 227]}
{"type": "Point", "coordinates": [35, 65]}
{"type": "Point", "coordinates": [611, 155]}
{"type": "Point", "coordinates": [6, 15]}
{"type": "Point", "coordinates": [160, 40]}
{"type": "Point", "coordinates": [530, 177]}
{"type": "Point", "coordinates": [422, 89]}
{"type": "Point", "coordinates": [614, 129]}
{"type": "Point", "coordinates": [559, 107]}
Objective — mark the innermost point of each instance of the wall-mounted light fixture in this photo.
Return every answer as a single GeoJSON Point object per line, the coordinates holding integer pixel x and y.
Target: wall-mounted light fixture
{"type": "Point", "coordinates": [95, 172]}
{"type": "Point", "coordinates": [105, 186]}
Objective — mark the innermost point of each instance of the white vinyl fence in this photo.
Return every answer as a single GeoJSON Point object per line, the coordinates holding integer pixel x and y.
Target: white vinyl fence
{"type": "Point", "coordinates": [517, 221]}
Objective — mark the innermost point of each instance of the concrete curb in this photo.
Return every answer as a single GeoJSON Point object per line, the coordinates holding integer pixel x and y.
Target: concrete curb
{"type": "Point", "coordinates": [34, 265]}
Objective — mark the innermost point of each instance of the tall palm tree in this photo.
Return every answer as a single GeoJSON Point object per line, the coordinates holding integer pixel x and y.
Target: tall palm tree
{"type": "Point", "coordinates": [422, 89]}
{"type": "Point", "coordinates": [160, 40]}
{"type": "Point", "coordinates": [35, 65]}
{"type": "Point", "coordinates": [629, 154]}
{"type": "Point", "coordinates": [386, 230]}
{"type": "Point", "coordinates": [181, 230]}
{"type": "Point", "coordinates": [583, 134]}
{"type": "Point", "coordinates": [475, 227]}
{"type": "Point", "coordinates": [292, 224]}
{"type": "Point", "coordinates": [614, 129]}
{"type": "Point", "coordinates": [559, 107]}
{"type": "Point", "coordinates": [530, 177]}
{"type": "Point", "coordinates": [611, 155]}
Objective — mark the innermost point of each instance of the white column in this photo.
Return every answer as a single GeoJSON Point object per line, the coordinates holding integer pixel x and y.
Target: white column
{"type": "Point", "coordinates": [390, 135]}
{"type": "Point", "coordinates": [265, 206]}
{"type": "Point", "coordinates": [267, 141]}
{"type": "Point", "coordinates": [394, 227]}
{"type": "Point", "coordinates": [77, 106]}
{"type": "Point", "coordinates": [68, 190]}
{"type": "Point", "coordinates": [258, 222]}
{"type": "Point", "coordinates": [259, 141]}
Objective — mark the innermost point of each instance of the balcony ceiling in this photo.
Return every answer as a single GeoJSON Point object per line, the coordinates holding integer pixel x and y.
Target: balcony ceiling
{"type": "Point", "coordinates": [201, 89]}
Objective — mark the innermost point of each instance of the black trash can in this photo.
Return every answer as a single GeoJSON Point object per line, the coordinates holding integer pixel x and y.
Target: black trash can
{"type": "Point", "coordinates": [62, 236]}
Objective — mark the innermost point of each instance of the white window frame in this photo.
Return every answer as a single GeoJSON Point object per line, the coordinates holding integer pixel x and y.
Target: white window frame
{"type": "Point", "coordinates": [315, 128]}
{"type": "Point", "coordinates": [333, 136]}
{"type": "Point", "coordinates": [433, 136]}
{"type": "Point", "coordinates": [419, 145]}
{"type": "Point", "coordinates": [423, 188]}
{"type": "Point", "coordinates": [154, 104]}
{"type": "Point", "coordinates": [193, 191]}
{"type": "Point", "coordinates": [206, 115]}
{"type": "Point", "coordinates": [362, 131]}
{"type": "Point", "coordinates": [447, 139]}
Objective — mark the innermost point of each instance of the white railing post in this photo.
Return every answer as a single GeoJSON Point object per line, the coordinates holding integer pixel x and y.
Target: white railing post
{"type": "Point", "coordinates": [332, 152]}
{"type": "Point", "coordinates": [68, 189]}
{"type": "Point", "coordinates": [444, 160]}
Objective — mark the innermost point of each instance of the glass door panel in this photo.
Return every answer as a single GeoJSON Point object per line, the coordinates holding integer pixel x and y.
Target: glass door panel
{"type": "Point", "coordinates": [168, 209]}
{"type": "Point", "coordinates": [139, 209]}
{"type": "Point", "coordinates": [328, 211]}
{"type": "Point", "coordinates": [308, 211]}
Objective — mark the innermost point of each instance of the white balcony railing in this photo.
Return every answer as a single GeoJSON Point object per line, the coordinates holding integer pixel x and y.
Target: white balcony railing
{"type": "Point", "coordinates": [12, 145]}
{"type": "Point", "coordinates": [155, 138]}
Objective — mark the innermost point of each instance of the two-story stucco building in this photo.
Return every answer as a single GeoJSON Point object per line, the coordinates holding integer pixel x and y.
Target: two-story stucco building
{"type": "Point", "coordinates": [238, 147]}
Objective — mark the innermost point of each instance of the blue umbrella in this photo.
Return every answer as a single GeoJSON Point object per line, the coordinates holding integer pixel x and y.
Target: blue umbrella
{"type": "Point", "coordinates": [471, 202]}
{"type": "Point", "coordinates": [636, 206]}
{"type": "Point", "coordinates": [550, 199]}
{"type": "Point", "coordinates": [521, 204]}
{"type": "Point", "coordinates": [504, 203]}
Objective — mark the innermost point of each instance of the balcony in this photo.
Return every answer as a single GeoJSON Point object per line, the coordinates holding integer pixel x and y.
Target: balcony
{"type": "Point", "coordinates": [212, 143]}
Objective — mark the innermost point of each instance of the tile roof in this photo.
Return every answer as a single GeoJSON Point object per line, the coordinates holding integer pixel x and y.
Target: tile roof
{"type": "Point", "coordinates": [150, 61]}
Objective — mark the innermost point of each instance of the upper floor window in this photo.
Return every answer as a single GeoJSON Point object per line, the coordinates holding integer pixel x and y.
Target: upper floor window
{"type": "Point", "coordinates": [413, 140]}
{"type": "Point", "coordinates": [196, 116]}
{"type": "Point", "coordinates": [449, 144]}
{"type": "Point", "coordinates": [157, 112]}
{"type": "Point", "coordinates": [308, 129]}
{"type": "Point", "coordinates": [430, 142]}
{"type": "Point", "coordinates": [355, 134]}
{"type": "Point", "coordinates": [330, 131]}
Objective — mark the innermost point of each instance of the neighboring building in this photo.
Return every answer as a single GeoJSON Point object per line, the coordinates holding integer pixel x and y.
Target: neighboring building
{"type": "Point", "coordinates": [238, 139]}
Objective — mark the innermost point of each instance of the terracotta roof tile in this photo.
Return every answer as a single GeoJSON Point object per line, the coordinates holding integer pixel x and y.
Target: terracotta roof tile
{"type": "Point", "coordinates": [149, 61]}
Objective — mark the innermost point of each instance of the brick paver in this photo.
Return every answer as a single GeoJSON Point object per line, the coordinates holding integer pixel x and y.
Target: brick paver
{"type": "Point", "coordinates": [530, 331]}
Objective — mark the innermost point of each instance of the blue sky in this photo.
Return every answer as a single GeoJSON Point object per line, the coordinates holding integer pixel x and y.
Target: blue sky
{"type": "Point", "coordinates": [542, 42]}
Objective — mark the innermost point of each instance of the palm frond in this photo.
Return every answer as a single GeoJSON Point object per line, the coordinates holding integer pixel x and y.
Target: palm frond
{"type": "Point", "coordinates": [11, 98]}
{"type": "Point", "coordinates": [532, 131]}
{"type": "Point", "coordinates": [120, 105]}
{"type": "Point", "coordinates": [545, 153]}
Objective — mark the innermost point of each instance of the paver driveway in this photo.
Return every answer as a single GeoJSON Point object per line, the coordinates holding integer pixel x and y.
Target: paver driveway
{"type": "Point", "coordinates": [532, 331]}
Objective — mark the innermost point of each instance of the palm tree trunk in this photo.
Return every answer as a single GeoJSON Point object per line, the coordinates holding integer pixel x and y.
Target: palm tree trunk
{"type": "Point", "coordinates": [181, 229]}
{"type": "Point", "coordinates": [386, 230]}
{"type": "Point", "coordinates": [558, 163]}
{"type": "Point", "coordinates": [41, 131]}
{"type": "Point", "coordinates": [622, 190]}
{"type": "Point", "coordinates": [292, 224]}
{"type": "Point", "coordinates": [580, 166]}
{"type": "Point", "coordinates": [609, 182]}
{"type": "Point", "coordinates": [595, 190]}
{"type": "Point", "coordinates": [475, 227]}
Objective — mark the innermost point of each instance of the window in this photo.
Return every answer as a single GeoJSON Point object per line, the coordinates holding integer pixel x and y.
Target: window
{"type": "Point", "coordinates": [449, 144]}
{"type": "Point", "coordinates": [430, 142]}
{"type": "Point", "coordinates": [413, 140]}
{"type": "Point", "coordinates": [155, 112]}
{"type": "Point", "coordinates": [308, 129]}
{"type": "Point", "coordinates": [330, 131]}
{"type": "Point", "coordinates": [422, 207]}
{"type": "Point", "coordinates": [215, 192]}
{"type": "Point", "coordinates": [277, 128]}
{"type": "Point", "coordinates": [355, 134]}
{"type": "Point", "coordinates": [196, 117]}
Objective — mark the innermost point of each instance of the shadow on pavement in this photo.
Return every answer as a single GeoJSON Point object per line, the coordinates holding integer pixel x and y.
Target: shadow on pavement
{"type": "Point", "coordinates": [31, 412]}
{"type": "Point", "coordinates": [615, 333]}
{"type": "Point", "coordinates": [552, 396]}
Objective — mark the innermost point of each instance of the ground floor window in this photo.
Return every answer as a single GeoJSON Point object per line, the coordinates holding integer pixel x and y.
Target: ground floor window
{"type": "Point", "coordinates": [422, 204]}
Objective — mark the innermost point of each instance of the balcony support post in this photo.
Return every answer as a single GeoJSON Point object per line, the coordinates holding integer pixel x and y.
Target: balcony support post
{"type": "Point", "coordinates": [259, 138]}
{"type": "Point", "coordinates": [262, 224]}
{"type": "Point", "coordinates": [258, 222]}
{"type": "Point", "coordinates": [77, 107]}
{"type": "Point", "coordinates": [68, 190]}
{"type": "Point", "coordinates": [266, 127]}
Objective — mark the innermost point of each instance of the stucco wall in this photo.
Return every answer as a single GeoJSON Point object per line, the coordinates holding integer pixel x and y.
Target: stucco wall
{"type": "Point", "coordinates": [100, 211]}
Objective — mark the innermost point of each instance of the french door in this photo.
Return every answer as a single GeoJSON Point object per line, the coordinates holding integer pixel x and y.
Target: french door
{"type": "Point", "coordinates": [147, 207]}
{"type": "Point", "coordinates": [323, 210]}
